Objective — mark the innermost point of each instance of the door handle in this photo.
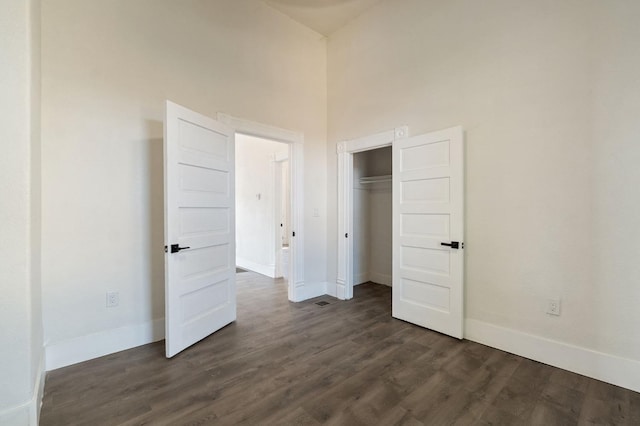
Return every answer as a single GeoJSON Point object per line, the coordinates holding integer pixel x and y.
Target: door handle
{"type": "Point", "coordinates": [175, 248]}
{"type": "Point", "coordinates": [452, 244]}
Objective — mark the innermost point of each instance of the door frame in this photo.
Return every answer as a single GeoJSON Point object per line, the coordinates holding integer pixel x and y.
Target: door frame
{"type": "Point", "coordinates": [346, 150]}
{"type": "Point", "coordinates": [295, 140]}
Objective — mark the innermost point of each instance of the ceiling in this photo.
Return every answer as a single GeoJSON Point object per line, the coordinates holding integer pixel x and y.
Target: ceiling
{"type": "Point", "coordinates": [323, 16]}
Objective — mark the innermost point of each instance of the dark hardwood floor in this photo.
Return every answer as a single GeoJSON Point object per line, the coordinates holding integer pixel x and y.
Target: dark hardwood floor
{"type": "Point", "coordinates": [345, 363]}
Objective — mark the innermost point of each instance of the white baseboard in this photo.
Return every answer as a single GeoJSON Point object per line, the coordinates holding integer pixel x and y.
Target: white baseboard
{"type": "Point", "coordinates": [380, 278]}
{"type": "Point", "coordinates": [17, 416]}
{"type": "Point", "coordinates": [598, 365]}
{"type": "Point", "coordinates": [38, 390]}
{"type": "Point", "coordinates": [83, 348]}
{"type": "Point", "coordinates": [268, 270]}
{"type": "Point", "coordinates": [27, 413]}
{"type": "Point", "coordinates": [332, 289]}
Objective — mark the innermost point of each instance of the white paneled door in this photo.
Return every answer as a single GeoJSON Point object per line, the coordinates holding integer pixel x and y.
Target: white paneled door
{"type": "Point", "coordinates": [200, 296]}
{"type": "Point", "coordinates": [428, 226]}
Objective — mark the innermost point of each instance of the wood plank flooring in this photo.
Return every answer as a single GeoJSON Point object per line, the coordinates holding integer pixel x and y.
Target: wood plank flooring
{"type": "Point", "coordinates": [345, 363]}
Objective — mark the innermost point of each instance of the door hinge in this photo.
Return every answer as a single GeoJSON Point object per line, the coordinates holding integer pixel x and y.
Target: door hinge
{"type": "Point", "coordinates": [293, 234]}
{"type": "Point", "coordinates": [346, 235]}
{"type": "Point", "coordinates": [166, 249]}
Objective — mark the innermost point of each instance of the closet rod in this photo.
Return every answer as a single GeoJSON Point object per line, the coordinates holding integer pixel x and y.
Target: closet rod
{"type": "Point", "coordinates": [374, 179]}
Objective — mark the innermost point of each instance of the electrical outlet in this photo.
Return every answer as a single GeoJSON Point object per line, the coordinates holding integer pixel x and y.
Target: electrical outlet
{"type": "Point", "coordinates": [113, 299]}
{"type": "Point", "coordinates": [553, 306]}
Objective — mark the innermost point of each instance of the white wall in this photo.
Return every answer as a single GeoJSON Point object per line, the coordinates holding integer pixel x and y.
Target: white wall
{"type": "Point", "coordinates": [107, 68]}
{"type": "Point", "coordinates": [615, 160]}
{"type": "Point", "coordinates": [21, 351]}
{"type": "Point", "coordinates": [255, 203]}
{"type": "Point", "coordinates": [381, 231]}
{"type": "Point", "coordinates": [548, 94]}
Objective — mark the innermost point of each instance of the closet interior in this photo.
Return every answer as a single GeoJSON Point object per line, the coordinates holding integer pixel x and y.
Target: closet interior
{"type": "Point", "coordinates": [372, 220]}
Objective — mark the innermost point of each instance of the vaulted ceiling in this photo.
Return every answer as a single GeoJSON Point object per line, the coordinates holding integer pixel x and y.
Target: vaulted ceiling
{"type": "Point", "coordinates": [323, 16]}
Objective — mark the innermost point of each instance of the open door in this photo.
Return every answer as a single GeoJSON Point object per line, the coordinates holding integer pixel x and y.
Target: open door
{"type": "Point", "coordinates": [200, 294]}
{"type": "Point", "coordinates": [428, 226]}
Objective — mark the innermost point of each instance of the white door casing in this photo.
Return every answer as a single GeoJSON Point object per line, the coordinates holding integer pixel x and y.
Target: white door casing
{"type": "Point", "coordinates": [428, 208]}
{"type": "Point", "coordinates": [200, 295]}
{"type": "Point", "coordinates": [344, 281]}
{"type": "Point", "coordinates": [297, 290]}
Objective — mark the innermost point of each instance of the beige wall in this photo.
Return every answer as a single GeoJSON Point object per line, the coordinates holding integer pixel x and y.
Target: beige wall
{"type": "Point", "coordinates": [548, 94]}
{"type": "Point", "coordinates": [107, 69]}
{"type": "Point", "coordinates": [616, 174]}
{"type": "Point", "coordinates": [21, 348]}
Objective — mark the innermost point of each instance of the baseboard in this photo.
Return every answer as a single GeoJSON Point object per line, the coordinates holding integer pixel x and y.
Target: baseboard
{"type": "Point", "coordinates": [380, 278]}
{"type": "Point", "coordinates": [17, 416]}
{"type": "Point", "coordinates": [268, 270]}
{"type": "Point", "coordinates": [361, 278]}
{"type": "Point", "coordinates": [310, 290]}
{"type": "Point", "coordinates": [332, 289]}
{"type": "Point", "coordinates": [598, 365]}
{"type": "Point", "coordinates": [83, 348]}
{"type": "Point", "coordinates": [27, 413]}
{"type": "Point", "coordinates": [38, 390]}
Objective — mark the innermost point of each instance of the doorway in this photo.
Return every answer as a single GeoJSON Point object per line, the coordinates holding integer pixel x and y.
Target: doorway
{"type": "Point", "coordinates": [262, 205]}
{"type": "Point", "coordinates": [347, 181]}
{"type": "Point", "coordinates": [427, 224]}
{"type": "Point", "coordinates": [282, 185]}
{"type": "Point", "coordinates": [372, 221]}
{"type": "Point", "coordinates": [294, 141]}
{"type": "Point", "coordinates": [200, 221]}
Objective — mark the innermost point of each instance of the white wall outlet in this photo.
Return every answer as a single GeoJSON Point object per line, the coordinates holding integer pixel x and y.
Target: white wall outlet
{"type": "Point", "coordinates": [113, 299]}
{"type": "Point", "coordinates": [553, 306]}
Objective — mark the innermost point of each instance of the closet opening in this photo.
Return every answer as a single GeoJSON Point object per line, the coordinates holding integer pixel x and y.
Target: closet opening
{"type": "Point", "coordinates": [365, 222]}
{"type": "Point", "coordinates": [372, 217]}
{"type": "Point", "coordinates": [422, 251]}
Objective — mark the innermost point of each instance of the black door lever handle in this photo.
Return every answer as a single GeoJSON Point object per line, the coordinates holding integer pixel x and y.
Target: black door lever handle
{"type": "Point", "coordinates": [452, 244]}
{"type": "Point", "coordinates": [176, 248]}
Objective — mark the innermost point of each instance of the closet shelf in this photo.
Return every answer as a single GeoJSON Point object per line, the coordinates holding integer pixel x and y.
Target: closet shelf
{"type": "Point", "coordinates": [375, 179]}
